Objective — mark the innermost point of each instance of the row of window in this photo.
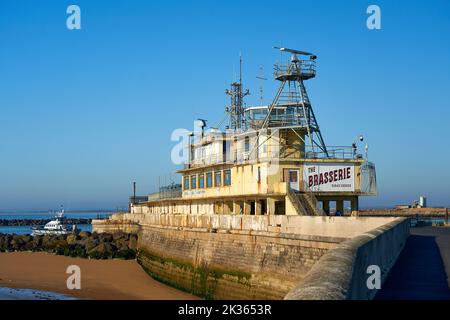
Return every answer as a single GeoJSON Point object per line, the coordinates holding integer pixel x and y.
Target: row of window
{"type": "Point", "coordinates": [190, 182]}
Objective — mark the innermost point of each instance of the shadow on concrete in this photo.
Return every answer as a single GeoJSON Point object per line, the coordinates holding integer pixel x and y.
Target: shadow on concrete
{"type": "Point", "coordinates": [419, 272]}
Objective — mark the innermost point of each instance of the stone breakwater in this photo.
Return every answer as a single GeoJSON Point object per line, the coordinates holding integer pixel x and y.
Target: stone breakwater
{"type": "Point", "coordinates": [239, 256]}
{"type": "Point", "coordinates": [117, 245]}
{"type": "Point", "coordinates": [36, 222]}
{"type": "Point", "coordinates": [407, 213]}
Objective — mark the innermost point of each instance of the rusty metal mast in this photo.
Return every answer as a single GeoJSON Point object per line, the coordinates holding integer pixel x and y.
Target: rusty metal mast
{"type": "Point", "coordinates": [236, 108]}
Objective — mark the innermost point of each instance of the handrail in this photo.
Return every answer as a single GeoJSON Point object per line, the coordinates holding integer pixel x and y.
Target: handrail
{"type": "Point", "coordinates": [307, 196]}
{"type": "Point", "coordinates": [296, 201]}
{"type": "Point", "coordinates": [271, 152]}
{"type": "Point", "coordinates": [312, 197]}
{"type": "Point", "coordinates": [307, 67]}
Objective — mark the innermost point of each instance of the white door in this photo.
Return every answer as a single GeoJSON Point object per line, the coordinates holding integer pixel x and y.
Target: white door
{"type": "Point", "coordinates": [293, 179]}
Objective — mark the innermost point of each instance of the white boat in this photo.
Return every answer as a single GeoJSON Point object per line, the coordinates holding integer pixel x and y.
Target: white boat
{"type": "Point", "coordinates": [54, 227]}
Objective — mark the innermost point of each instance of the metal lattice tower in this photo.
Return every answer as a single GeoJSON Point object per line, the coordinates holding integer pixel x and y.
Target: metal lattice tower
{"type": "Point", "coordinates": [236, 108]}
{"type": "Point", "coordinates": [292, 96]}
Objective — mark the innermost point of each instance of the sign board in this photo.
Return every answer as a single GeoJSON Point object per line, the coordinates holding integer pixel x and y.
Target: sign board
{"type": "Point", "coordinates": [329, 177]}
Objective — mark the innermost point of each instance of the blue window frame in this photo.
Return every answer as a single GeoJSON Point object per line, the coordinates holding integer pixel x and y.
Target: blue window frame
{"type": "Point", "coordinates": [218, 178]}
{"type": "Point", "coordinates": [209, 181]}
{"type": "Point", "coordinates": [201, 180]}
{"type": "Point", "coordinates": [227, 177]}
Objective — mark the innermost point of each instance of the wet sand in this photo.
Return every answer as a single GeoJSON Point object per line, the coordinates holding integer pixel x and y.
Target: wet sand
{"type": "Point", "coordinates": [100, 279]}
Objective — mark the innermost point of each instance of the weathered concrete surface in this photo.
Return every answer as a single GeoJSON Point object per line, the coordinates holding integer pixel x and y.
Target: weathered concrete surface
{"type": "Point", "coordinates": [338, 227]}
{"type": "Point", "coordinates": [409, 212]}
{"type": "Point", "coordinates": [111, 226]}
{"type": "Point", "coordinates": [423, 268]}
{"type": "Point", "coordinates": [256, 257]}
{"type": "Point", "coordinates": [342, 272]}
{"type": "Point", "coordinates": [222, 265]}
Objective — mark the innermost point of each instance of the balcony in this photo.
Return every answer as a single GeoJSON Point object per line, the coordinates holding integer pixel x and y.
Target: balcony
{"type": "Point", "coordinates": [306, 70]}
{"type": "Point", "coordinates": [273, 152]}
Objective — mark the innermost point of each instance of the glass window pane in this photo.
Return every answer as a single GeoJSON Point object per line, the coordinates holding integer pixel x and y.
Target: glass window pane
{"type": "Point", "coordinates": [201, 181]}
{"type": "Point", "coordinates": [209, 180]}
{"type": "Point", "coordinates": [186, 183]}
{"type": "Point", "coordinates": [247, 144]}
{"type": "Point", "coordinates": [227, 178]}
{"type": "Point", "coordinates": [218, 178]}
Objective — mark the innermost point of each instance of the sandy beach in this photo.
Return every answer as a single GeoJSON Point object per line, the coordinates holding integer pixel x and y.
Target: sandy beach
{"type": "Point", "coordinates": [100, 279]}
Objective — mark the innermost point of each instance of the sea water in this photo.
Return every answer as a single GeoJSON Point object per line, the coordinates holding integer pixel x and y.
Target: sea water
{"type": "Point", "coordinates": [27, 229]}
{"type": "Point", "coordinates": [30, 294]}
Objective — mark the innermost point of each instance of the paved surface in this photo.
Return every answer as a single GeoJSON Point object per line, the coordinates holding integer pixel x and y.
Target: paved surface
{"type": "Point", "coordinates": [422, 268]}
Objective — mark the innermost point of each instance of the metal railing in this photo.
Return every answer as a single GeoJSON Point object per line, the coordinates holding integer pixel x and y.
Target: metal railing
{"type": "Point", "coordinates": [307, 69]}
{"type": "Point", "coordinates": [166, 192]}
{"type": "Point", "coordinates": [282, 119]}
{"type": "Point", "coordinates": [272, 152]}
{"type": "Point", "coordinates": [293, 197]}
{"type": "Point", "coordinates": [305, 202]}
{"type": "Point", "coordinates": [336, 152]}
{"type": "Point", "coordinates": [312, 199]}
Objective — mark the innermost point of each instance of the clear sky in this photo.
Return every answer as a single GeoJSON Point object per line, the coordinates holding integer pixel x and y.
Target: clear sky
{"type": "Point", "coordinates": [83, 113]}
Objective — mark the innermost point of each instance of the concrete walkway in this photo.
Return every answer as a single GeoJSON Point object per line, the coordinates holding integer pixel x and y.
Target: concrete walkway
{"type": "Point", "coordinates": [422, 268]}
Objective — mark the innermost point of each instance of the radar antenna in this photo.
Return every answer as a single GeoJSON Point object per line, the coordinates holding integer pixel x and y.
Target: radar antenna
{"type": "Point", "coordinates": [293, 98]}
{"type": "Point", "coordinates": [261, 80]}
{"type": "Point", "coordinates": [236, 108]}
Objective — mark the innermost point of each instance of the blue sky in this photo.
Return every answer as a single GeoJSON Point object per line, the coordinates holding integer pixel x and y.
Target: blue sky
{"type": "Point", "coordinates": [84, 113]}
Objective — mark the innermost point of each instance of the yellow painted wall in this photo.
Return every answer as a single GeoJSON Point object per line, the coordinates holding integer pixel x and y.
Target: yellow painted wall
{"type": "Point", "coordinates": [244, 179]}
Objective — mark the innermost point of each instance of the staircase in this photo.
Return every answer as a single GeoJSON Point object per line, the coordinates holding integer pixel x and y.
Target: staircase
{"type": "Point", "coordinates": [296, 202]}
{"type": "Point", "coordinates": [305, 203]}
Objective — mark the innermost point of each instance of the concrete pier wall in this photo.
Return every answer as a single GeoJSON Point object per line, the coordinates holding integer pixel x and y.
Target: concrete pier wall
{"type": "Point", "coordinates": [236, 256]}
{"type": "Point", "coordinates": [409, 212]}
{"type": "Point", "coordinates": [222, 265]}
{"type": "Point", "coordinates": [342, 272]}
{"type": "Point", "coordinates": [338, 227]}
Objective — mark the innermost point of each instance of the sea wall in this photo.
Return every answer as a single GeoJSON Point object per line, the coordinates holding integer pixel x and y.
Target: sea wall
{"type": "Point", "coordinates": [407, 212]}
{"type": "Point", "coordinates": [341, 273]}
{"type": "Point", "coordinates": [235, 256]}
{"type": "Point", "coordinates": [340, 228]}
{"type": "Point", "coordinates": [228, 265]}
{"type": "Point", "coordinates": [116, 223]}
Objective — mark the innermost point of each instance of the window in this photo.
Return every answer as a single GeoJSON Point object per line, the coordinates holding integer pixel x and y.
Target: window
{"type": "Point", "coordinates": [293, 175]}
{"type": "Point", "coordinates": [186, 183]}
{"type": "Point", "coordinates": [201, 180]}
{"type": "Point", "coordinates": [227, 177]}
{"type": "Point", "coordinates": [218, 178]}
{"type": "Point", "coordinates": [209, 180]}
{"type": "Point", "coordinates": [193, 182]}
{"type": "Point", "coordinates": [259, 174]}
{"type": "Point", "coordinates": [247, 144]}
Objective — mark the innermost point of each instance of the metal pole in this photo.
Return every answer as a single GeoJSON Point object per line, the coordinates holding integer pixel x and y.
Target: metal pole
{"type": "Point", "coordinates": [134, 192]}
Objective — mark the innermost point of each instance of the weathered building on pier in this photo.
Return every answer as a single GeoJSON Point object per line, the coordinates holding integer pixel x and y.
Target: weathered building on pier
{"type": "Point", "coordinates": [270, 159]}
